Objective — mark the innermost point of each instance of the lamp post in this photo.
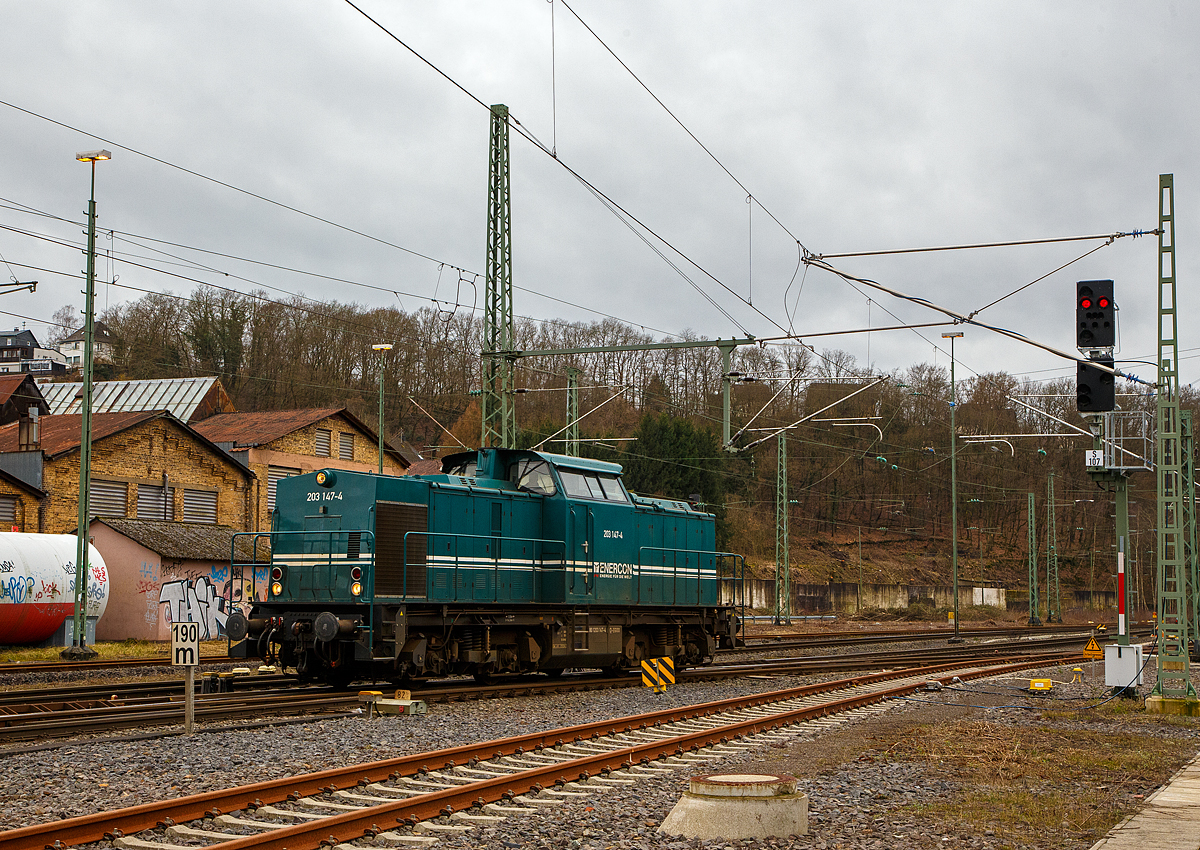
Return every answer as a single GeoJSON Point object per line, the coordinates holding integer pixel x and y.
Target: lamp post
{"type": "Point", "coordinates": [79, 649]}
{"type": "Point", "coordinates": [382, 347]}
{"type": "Point", "coordinates": [953, 335]}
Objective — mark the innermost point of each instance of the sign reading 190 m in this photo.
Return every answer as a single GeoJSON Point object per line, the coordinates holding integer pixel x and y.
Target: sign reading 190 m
{"type": "Point", "coordinates": [185, 644]}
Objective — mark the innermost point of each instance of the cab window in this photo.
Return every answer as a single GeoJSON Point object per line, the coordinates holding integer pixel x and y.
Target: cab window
{"type": "Point", "coordinates": [465, 469]}
{"type": "Point", "coordinates": [533, 476]}
{"type": "Point", "coordinates": [592, 485]}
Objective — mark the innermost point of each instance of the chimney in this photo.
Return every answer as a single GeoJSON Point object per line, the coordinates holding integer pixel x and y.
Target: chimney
{"type": "Point", "coordinates": [28, 432]}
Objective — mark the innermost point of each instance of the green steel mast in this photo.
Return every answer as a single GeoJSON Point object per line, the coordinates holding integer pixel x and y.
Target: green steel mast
{"type": "Point", "coordinates": [1034, 605]}
{"type": "Point", "coordinates": [1053, 602]}
{"type": "Point", "coordinates": [497, 402]}
{"type": "Point", "coordinates": [783, 566]}
{"type": "Point", "coordinates": [1174, 675]}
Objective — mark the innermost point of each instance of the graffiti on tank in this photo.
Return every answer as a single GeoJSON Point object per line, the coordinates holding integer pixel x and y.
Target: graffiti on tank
{"type": "Point", "coordinates": [47, 591]}
{"type": "Point", "coordinates": [16, 589]}
{"type": "Point", "coordinates": [7, 566]}
{"type": "Point", "coordinates": [69, 568]}
{"type": "Point", "coordinates": [95, 594]}
{"type": "Point", "coordinates": [99, 573]}
{"type": "Point", "coordinates": [195, 601]}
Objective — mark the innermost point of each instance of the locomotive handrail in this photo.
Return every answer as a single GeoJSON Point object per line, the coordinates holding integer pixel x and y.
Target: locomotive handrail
{"type": "Point", "coordinates": [675, 567]}
{"type": "Point", "coordinates": [739, 592]}
{"type": "Point", "coordinates": [499, 540]}
{"type": "Point", "coordinates": [328, 558]}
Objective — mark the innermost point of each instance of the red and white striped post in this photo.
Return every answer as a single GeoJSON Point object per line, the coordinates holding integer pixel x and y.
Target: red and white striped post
{"type": "Point", "coordinates": [1122, 632]}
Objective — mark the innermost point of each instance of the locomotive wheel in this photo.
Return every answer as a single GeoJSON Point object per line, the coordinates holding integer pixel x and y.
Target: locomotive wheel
{"type": "Point", "coordinates": [484, 677]}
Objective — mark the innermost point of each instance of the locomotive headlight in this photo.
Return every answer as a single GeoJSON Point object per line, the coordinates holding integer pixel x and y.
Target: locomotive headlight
{"type": "Point", "coordinates": [276, 589]}
{"type": "Point", "coordinates": [356, 588]}
{"type": "Point", "coordinates": [326, 478]}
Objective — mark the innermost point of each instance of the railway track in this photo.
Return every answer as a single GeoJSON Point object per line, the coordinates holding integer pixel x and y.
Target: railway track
{"type": "Point", "coordinates": [65, 712]}
{"type": "Point", "coordinates": [463, 787]}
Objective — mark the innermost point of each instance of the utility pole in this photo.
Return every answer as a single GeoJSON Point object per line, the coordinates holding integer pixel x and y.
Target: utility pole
{"type": "Point", "coordinates": [497, 403]}
{"type": "Point", "coordinates": [953, 485]}
{"type": "Point", "coordinates": [80, 651]}
{"type": "Point", "coordinates": [1034, 606]}
{"type": "Point", "coordinates": [1053, 600]}
{"type": "Point", "coordinates": [572, 412]}
{"type": "Point", "coordinates": [783, 566]}
{"type": "Point", "coordinates": [1174, 675]}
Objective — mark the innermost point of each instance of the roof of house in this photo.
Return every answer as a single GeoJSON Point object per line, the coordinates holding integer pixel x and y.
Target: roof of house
{"type": "Point", "coordinates": [18, 336]}
{"type": "Point", "coordinates": [11, 383]}
{"type": "Point", "coordinates": [100, 333]}
{"type": "Point", "coordinates": [188, 540]}
{"type": "Point", "coordinates": [183, 397]}
{"type": "Point", "coordinates": [60, 435]}
{"type": "Point", "coordinates": [250, 430]}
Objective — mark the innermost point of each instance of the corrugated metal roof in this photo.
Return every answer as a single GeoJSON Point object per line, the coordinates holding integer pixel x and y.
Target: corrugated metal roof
{"type": "Point", "coordinates": [187, 540]}
{"type": "Point", "coordinates": [258, 429]}
{"type": "Point", "coordinates": [181, 396]}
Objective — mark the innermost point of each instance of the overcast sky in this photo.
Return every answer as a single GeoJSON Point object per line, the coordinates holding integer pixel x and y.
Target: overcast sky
{"type": "Point", "coordinates": [857, 125]}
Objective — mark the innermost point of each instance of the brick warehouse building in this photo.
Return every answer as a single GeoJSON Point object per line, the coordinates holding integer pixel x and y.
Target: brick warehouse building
{"type": "Point", "coordinates": [281, 443]}
{"type": "Point", "coordinates": [145, 465]}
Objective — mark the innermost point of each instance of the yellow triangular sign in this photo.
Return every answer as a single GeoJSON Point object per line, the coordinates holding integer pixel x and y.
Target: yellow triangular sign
{"type": "Point", "coordinates": [1092, 646]}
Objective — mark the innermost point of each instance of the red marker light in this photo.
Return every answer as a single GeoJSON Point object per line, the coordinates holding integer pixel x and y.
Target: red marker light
{"type": "Point", "coordinates": [1104, 302]}
{"type": "Point", "coordinates": [1086, 303]}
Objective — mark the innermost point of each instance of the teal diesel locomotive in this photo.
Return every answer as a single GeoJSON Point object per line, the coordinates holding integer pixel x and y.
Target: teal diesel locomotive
{"type": "Point", "coordinates": [507, 562]}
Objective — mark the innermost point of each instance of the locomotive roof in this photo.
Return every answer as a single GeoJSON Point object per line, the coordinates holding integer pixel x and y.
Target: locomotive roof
{"type": "Point", "coordinates": [583, 463]}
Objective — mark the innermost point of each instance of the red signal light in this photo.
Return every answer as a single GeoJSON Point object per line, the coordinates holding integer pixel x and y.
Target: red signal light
{"type": "Point", "coordinates": [1085, 303]}
{"type": "Point", "coordinates": [1103, 302]}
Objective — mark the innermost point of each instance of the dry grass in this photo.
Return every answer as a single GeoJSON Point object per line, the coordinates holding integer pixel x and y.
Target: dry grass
{"type": "Point", "coordinates": [1022, 782]}
{"type": "Point", "coordinates": [109, 651]}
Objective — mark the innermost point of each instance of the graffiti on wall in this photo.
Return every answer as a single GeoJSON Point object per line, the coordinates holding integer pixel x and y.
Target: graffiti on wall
{"type": "Point", "coordinates": [195, 601]}
{"type": "Point", "coordinates": [193, 596]}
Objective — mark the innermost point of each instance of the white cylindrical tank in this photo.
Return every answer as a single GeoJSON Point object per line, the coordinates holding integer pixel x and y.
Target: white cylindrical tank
{"type": "Point", "coordinates": [37, 585]}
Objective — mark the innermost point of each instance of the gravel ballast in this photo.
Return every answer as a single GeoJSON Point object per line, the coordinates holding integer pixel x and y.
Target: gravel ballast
{"type": "Point", "coordinates": [856, 805]}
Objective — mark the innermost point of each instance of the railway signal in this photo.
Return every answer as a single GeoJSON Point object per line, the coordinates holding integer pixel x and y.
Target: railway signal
{"type": "Point", "coordinates": [1095, 388]}
{"type": "Point", "coordinates": [1095, 314]}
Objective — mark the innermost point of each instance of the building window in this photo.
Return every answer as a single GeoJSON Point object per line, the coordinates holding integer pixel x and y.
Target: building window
{"type": "Point", "coordinates": [346, 446]}
{"type": "Point", "coordinates": [156, 502]}
{"type": "Point", "coordinates": [323, 435]}
{"type": "Point", "coordinates": [274, 473]}
{"type": "Point", "coordinates": [8, 511]}
{"type": "Point", "coordinates": [107, 498]}
{"type": "Point", "coordinates": [200, 506]}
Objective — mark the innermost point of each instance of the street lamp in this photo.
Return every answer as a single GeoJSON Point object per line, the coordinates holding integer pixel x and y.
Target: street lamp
{"type": "Point", "coordinates": [79, 649]}
{"type": "Point", "coordinates": [382, 347]}
{"type": "Point", "coordinates": [953, 335]}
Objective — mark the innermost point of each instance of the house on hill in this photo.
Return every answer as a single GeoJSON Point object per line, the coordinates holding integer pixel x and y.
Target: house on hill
{"type": "Point", "coordinates": [281, 443]}
{"type": "Point", "coordinates": [102, 345]}
{"type": "Point", "coordinates": [20, 352]}
{"type": "Point", "coordinates": [187, 399]}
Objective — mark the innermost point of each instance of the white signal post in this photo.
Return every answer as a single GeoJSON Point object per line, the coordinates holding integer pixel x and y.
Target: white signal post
{"type": "Point", "coordinates": [185, 652]}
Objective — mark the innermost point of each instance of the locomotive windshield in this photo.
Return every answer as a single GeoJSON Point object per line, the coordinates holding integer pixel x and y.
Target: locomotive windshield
{"type": "Point", "coordinates": [533, 476]}
{"type": "Point", "coordinates": [465, 468]}
{"type": "Point", "coordinates": [593, 485]}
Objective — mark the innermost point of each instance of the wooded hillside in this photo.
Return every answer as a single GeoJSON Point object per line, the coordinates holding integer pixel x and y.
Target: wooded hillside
{"type": "Point", "coordinates": [844, 479]}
